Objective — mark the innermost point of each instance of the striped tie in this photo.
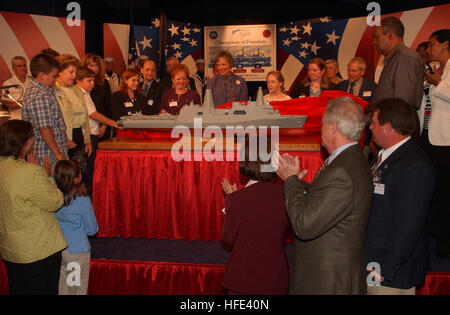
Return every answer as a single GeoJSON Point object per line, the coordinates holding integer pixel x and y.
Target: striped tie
{"type": "Point", "coordinates": [376, 177]}
{"type": "Point", "coordinates": [322, 167]}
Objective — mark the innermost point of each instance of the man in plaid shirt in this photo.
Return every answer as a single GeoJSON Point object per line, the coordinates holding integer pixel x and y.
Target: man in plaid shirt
{"type": "Point", "coordinates": [41, 108]}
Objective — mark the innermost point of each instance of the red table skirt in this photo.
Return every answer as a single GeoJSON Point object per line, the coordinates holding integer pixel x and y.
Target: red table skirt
{"type": "Point", "coordinates": [147, 194]}
{"type": "Point", "coordinates": [121, 277]}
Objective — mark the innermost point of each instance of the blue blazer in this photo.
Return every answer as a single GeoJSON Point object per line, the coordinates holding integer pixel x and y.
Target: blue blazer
{"type": "Point", "coordinates": [395, 236]}
{"type": "Point", "coordinates": [367, 87]}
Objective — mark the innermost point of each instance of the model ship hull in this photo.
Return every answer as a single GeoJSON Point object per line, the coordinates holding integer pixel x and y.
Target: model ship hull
{"type": "Point", "coordinates": [197, 117]}
{"type": "Point", "coordinates": [146, 122]}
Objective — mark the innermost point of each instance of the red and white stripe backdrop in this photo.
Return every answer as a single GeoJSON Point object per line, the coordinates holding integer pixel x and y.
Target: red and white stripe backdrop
{"type": "Point", "coordinates": [357, 40]}
{"type": "Point", "coordinates": [27, 34]}
{"type": "Point", "coordinates": [115, 44]}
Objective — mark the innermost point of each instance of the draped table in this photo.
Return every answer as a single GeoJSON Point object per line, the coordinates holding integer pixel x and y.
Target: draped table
{"type": "Point", "coordinates": [140, 191]}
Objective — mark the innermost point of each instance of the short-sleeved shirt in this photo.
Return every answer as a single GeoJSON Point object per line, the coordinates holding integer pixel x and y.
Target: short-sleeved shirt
{"type": "Point", "coordinates": [95, 125]}
{"type": "Point", "coordinates": [16, 93]}
{"type": "Point", "coordinates": [41, 108]}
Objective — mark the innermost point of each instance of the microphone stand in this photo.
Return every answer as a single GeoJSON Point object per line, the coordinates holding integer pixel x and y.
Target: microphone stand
{"type": "Point", "coordinates": [12, 98]}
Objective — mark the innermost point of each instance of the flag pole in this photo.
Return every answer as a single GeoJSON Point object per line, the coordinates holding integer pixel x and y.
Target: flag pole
{"type": "Point", "coordinates": [162, 44]}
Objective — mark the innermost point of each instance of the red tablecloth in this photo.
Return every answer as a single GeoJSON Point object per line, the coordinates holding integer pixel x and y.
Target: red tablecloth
{"type": "Point", "coordinates": [148, 194]}
{"type": "Point", "coordinates": [149, 277]}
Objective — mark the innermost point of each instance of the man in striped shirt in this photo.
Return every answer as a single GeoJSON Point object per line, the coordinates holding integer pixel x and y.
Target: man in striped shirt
{"type": "Point", "coordinates": [41, 108]}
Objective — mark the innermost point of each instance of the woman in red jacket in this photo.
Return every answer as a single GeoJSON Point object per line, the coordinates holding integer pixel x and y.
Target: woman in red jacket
{"type": "Point", "coordinates": [256, 225]}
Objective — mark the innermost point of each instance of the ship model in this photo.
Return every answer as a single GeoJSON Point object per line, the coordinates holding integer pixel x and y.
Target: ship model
{"type": "Point", "coordinates": [256, 113]}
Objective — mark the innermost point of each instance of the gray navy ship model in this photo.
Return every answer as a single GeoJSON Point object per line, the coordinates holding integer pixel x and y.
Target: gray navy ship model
{"type": "Point", "coordinates": [256, 114]}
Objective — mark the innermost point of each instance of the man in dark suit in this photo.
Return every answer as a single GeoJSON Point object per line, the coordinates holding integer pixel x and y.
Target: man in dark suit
{"type": "Point", "coordinates": [356, 83]}
{"type": "Point", "coordinates": [329, 216]}
{"type": "Point", "coordinates": [150, 88]}
{"type": "Point", "coordinates": [361, 87]}
{"type": "Point", "coordinates": [403, 180]}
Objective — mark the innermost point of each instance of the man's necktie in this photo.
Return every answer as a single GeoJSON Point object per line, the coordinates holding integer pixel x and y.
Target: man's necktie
{"type": "Point", "coordinates": [352, 86]}
{"type": "Point", "coordinates": [321, 168]}
{"type": "Point", "coordinates": [145, 88]}
{"type": "Point", "coordinates": [375, 174]}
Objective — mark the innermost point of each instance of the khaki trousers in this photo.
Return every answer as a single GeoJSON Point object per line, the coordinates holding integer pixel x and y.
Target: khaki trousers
{"type": "Point", "coordinates": [75, 279]}
{"type": "Point", "coordinates": [381, 290]}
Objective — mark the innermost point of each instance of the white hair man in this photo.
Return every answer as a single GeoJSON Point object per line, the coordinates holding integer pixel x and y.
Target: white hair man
{"type": "Point", "coordinates": [329, 216]}
{"type": "Point", "coordinates": [356, 83]}
{"type": "Point", "coordinates": [21, 79]}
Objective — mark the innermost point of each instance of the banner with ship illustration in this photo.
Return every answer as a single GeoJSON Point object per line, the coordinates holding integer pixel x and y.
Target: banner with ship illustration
{"type": "Point", "coordinates": [253, 48]}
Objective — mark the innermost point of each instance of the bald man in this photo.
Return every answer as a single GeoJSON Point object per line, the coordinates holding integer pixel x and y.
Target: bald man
{"type": "Point", "coordinates": [150, 88]}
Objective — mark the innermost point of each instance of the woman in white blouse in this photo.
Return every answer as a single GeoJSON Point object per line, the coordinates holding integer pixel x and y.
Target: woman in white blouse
{"type": "Point", "coordinates": [438, 138]}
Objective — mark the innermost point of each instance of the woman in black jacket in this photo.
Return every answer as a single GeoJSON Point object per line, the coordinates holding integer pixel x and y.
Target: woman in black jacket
{"type": "Point", "coordinates": [129, 100]}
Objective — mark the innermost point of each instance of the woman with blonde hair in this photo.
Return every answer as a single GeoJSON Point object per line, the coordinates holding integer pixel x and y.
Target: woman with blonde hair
{"type": "Point", "coordinates": [275, 84]}
{"type": "Point", "coordinates": [129, 100]}
{"type": "Point", "coordinates": [74, 110]}
{"type": "Point", "coordinates": [315, 82]}
{"type": "Point", "coordinates": [180, 95]}
{"type": "Point", "coordinates": [101, 94]}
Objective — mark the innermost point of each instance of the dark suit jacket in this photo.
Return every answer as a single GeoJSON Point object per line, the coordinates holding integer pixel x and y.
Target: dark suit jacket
{"type": "Point", "coordinates": [118, 108]}
{"type": "Point", "coordinates": [329, 218]}
{"type": "Point", "coordinates": [366, 86]}
{"type": "Point", "coordinates": [153, 97]}
{"type": "Point", "coordinates": [256, 225]}
{"type": "Point", "coordinates": [101, 96]}
{"type": "Point", "coordinates": [300, 89]}
{"type": "Point", "coordinates": [396, 230]}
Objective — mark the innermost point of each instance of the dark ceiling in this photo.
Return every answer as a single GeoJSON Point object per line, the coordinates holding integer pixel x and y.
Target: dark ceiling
{"type": "Point", "coordinates": [203, 12]}
{"type": "Point", "coordinates": [212, 12]}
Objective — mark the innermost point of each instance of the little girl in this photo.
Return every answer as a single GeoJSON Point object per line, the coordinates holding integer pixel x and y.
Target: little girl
{"type": "Point", "coordinates": [77, 220]}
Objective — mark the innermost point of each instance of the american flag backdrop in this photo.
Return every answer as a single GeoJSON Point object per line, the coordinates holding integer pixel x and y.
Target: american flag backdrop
{"type": "Point", "coordinates": [185, 42]}
{"type": "Point", "coordinates": [133, 61]}
{"type": "Point", "coordinates": [27, 34]}
{"type": "Point", "coordinates": [116, 39]}
{"type": "Point", "coordinates": [342, 40]}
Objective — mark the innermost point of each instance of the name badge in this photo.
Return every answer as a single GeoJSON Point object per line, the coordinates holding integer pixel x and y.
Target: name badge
{"type": "Point", "coordinates": [238, 82]}
{"type": "Point", "coordinates": [150, 102]}
{"type": "Point", "coordinates": [128, 104]}
{"type": "Point", "coordinates": [367, 93]}
{"type": "Point", "coordinates": [173, 104]}
{"type": "Point", "coordinates": [379, 189]}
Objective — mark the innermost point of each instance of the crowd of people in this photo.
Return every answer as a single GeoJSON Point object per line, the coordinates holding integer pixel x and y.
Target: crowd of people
{"type": "Point", "coordinates": [352, 214]}
{"type": "Point", "coordinates": [360, 228]}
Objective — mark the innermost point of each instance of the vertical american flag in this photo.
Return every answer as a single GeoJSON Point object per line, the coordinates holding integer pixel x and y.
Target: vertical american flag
{"type": "Point", "coordinates": [185, 42]}
{"type": "Point", "coordinates": [116, 38]}
{"type": "Point", "coordinates": [342, 40]}
{"type": "Point", "coordinates": [132, 46]}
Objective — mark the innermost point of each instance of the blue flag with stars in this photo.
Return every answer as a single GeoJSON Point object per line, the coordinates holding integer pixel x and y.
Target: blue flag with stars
{"type": "Point", "coordinates": [184, 41]}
